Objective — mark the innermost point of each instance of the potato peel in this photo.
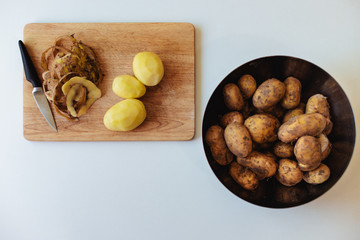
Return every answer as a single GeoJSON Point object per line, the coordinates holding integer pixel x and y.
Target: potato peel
{"type": "Point", "coordinates": [68, 58]}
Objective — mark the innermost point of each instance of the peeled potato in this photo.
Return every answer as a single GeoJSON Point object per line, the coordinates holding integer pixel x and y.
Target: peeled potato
{"type": "Point", "coordinates": [127, 86]}
{"type": "Point", "coordinates": [125, 115]}
{"type": "Point", "coordinates": [148, 68]}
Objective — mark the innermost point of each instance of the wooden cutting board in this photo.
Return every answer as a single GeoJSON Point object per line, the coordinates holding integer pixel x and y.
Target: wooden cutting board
{"type": "Point", "coordinates": [170, 105]}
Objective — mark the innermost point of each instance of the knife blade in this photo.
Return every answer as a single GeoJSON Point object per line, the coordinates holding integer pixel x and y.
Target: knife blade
{"type": "Point", "coordinates": [38, 93]}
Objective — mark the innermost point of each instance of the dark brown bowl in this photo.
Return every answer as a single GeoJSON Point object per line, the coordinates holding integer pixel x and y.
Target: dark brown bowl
{"type": "Point", "coordinates": [314, 80]}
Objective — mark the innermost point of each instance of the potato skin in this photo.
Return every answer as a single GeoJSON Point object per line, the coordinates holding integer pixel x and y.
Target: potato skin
{"type": "Point", "coordinates": [328, 127]}
{"type": "Point", "coordinates": [292, 95]}
{"type": "Point", "coordinates": [307, 151]}
{"type": "Point", "coordinates": [247, 85]}
{"type": "Point", "coordinates": [230, 117]}
{"type": "Point", "coordinates": [325, 146]}
{"type": "Point", "coordinates": [262, 127]}
{"type": "Point", "coordinates": [215, 139]}
{"type": "Point", "coordinates": [311, 124]}
{"type": "Point", "coordinates": [270, 155]}
{"type": "Point", "coordinates": [238, 139]}
{"type": "Point", "coordinates": [318, 104]}
{"type": "Point", "coordinates": [283, 150]}
{"type": "Point", "coordinates": [243, 176]}
{"type": "Point", "coordinates": [262, 165]}
{"type": "Point", "coordinates": [268, 94]}
{"type": "Point", "coordinates": [318, 175]}
{"type": "Point", "coordinates": [232, 97]}
{"type": "Point", "coordinates": [294, 112]}
{"type": "Point", "coordinates": [288, 173]}
{"type": "Point", "coordinates": [277, 111]}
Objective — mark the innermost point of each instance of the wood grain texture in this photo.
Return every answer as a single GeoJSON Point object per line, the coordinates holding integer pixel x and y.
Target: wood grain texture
{"type": "Point", "coordinates": [170, 105]}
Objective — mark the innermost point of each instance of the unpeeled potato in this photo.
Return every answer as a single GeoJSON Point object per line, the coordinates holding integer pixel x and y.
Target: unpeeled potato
{"type": "Point", "coordinates": [247, 85]}
{"type": "Point", "coordinates": [268, 94]}
{"type": "Point", "coordinates": [233, 98]}
{"type": "Point", "coordinates": [318, 104]}
{"type": "Point", "coordinates": [299, 110]}
{"type": "Point", "coordinates": [318, 175]}
{"type": "Point", "coordinates": [230, 117]}
{"type": "Point", "coordinates": [292, 95]}
{"type": "Point", "coordinates": [262, 127]}
{"type": "Point", "coordinates": [244, 176]}
{"type": "Point", "coordinates": [307, 151]}
{"type": "Point", "coordinates": [263, 165]}
{"type": "Point", "coordinates": [283, 150]}
{"type": "Point", "coordinates": [215, 139]}
{"type": "Point", "coordinates": [288, 173]}
{"type": "Point", "coordinates": [238, 139]}
{"type": "Point", "coordinates": [311, 124]}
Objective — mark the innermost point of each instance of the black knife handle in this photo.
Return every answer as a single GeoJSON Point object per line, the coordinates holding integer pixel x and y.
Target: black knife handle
{"type": "Point", "coordinates": [30, 71]}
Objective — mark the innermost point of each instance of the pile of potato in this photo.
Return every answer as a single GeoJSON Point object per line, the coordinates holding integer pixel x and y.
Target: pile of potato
{"type": "Point", "coordinates": [271, 133]}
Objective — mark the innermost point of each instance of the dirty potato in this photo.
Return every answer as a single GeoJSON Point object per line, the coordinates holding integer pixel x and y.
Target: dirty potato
{"type": "Point", "coordinates": [230, 117]}
{"type": "Point", "coordinates": [232, 97]}
{"type": "Point", "coordinates": [238, 139]}
{"type": "Point", "coordinates": [325, 146]}
{"type": "Point", "coordinates": [311, 124]}
{"type": "Point", "coordinates": [294, 112]}
{"type": "Point", "coordinates": [262, 127]}
{"type": "Point", "coordinates": [278, 111]}
{"type": "Point", "coordinates": [292, 95]}
{"type": "Point", "coordinates": [270, 155]}
{"type": "Point", "coordinates": [307, 151]}
{"type": "Point", "coordinates": [243, 176]}
{"type": "Point", "coordinates": [215, 139]}
{"type": "Point", "coordinates": [262, 165]}
{"type": "Point", "coordinates": [328, 127]}
{"type": "Point", "coordinates": [247, 85]}
{"type": "Point", "coordinates": [283, 150]}
{"type": "Point", "coordinates": [248, 109]}
{"type": "Point", "coordinates": [288, 173]}
{"type": "Point", "coordinates": [318, 175]}
{"type": "Point", "coordinates": [318, 104]}
{"type": "Point", "coordinates": [268, 94]}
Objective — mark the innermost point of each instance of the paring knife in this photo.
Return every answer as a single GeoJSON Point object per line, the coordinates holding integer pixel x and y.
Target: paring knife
{"type": "Point", "coordinates": [38, 93]}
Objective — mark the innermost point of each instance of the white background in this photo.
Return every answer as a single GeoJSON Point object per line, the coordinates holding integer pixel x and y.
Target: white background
{"type": "Point", "coordinates": [166, 190]}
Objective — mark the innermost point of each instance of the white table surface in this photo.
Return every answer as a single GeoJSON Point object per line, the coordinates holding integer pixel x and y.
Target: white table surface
{"type": "Point", "coordinates": [166, 190]}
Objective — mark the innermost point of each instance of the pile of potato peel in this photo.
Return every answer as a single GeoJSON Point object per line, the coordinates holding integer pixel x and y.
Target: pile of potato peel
{"type": "Point", "coordinates": [267, 132]}
{"type": "Point", "coordinates": [65, 59]}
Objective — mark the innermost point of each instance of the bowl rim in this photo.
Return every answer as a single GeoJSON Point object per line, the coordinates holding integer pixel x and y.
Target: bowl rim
{"type": "Point", "coordinates": [268, 57]}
